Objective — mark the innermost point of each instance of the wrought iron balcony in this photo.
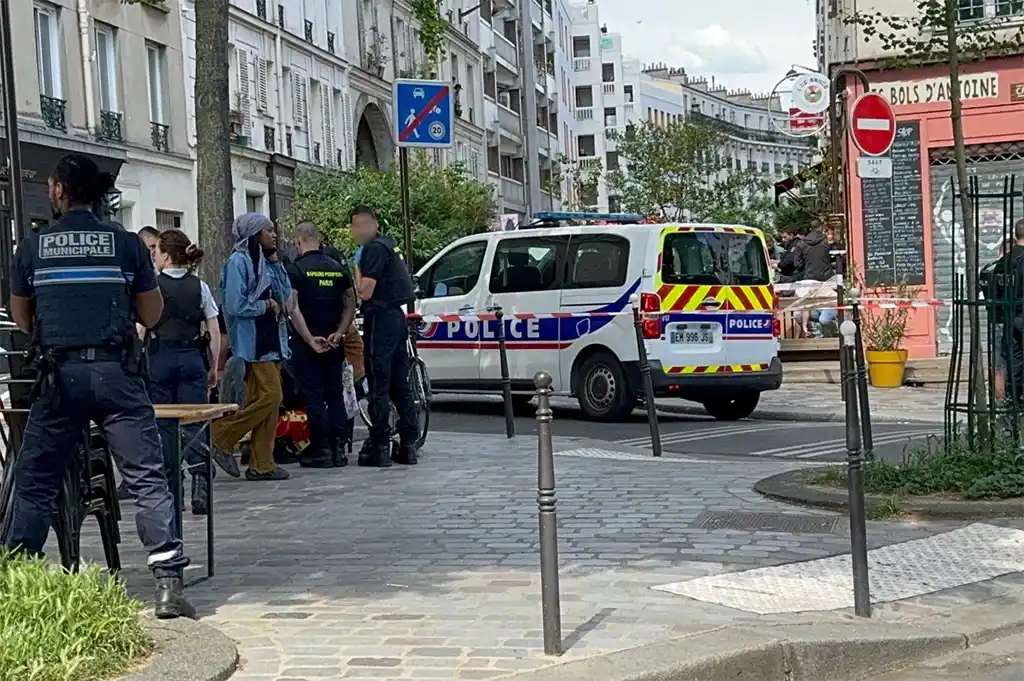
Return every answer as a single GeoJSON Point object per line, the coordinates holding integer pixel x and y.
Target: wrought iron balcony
{"type": "Point", "coordinates": [160, 136]}
{"type": "Point", "coordinates": [339, 158]}
{"type": "Point", "coordinates": [309, 31]}
{"type": "Point", "coordinates": [261, 9]}
{"type": "Point", "coordinates": [330, 42]}
{"type": "Point", "coordinates": [269, 139]}
{"type": "Point", "coordinates": [316, 152]}
{"type": "Point", "coordinates": [54, 112]}
{"type": "Point", "coordinates": [288, 144]}
{"type": "Point", "coordinates": [111, 126]}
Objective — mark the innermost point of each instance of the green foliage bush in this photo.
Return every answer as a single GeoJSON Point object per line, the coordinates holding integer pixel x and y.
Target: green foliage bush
{"type": "Point", "coordinates": [59, 626]}
{"type": "Point", "coordinates": [445, 203]}
{"type": "Point", "coordinates": [942, 468]}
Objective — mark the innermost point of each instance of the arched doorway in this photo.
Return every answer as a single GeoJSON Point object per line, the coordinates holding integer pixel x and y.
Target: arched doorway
{"type": "Point", "coordinates": [374, 147]}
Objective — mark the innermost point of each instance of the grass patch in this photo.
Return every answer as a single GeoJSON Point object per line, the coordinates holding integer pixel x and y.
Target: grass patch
{"type": "Point", "coordinates": [58, 626]}
{"type": "Point", "coordinates": [938, 468]}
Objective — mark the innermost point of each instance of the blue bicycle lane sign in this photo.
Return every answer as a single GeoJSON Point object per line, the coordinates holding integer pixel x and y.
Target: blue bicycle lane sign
{"type": "Point", "coordinates": [423, 114]}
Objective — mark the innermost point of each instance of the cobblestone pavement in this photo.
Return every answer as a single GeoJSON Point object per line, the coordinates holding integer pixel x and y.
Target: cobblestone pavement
{"type": "Point", "coordinates": [809, 402]}
{"type": "Point", "coordinates": [432, 571]}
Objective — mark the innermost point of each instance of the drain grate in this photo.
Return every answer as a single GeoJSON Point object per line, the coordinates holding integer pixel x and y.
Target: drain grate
{"type": "Point", "coordinates": [768, 522]}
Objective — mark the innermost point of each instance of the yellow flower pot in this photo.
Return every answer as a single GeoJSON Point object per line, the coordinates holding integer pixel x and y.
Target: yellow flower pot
{"type": "Point", "coordinates": [886, 367]}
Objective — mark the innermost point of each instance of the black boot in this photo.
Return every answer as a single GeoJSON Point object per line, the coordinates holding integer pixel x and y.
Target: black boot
{"type": "Point", "coordinates": [170, 601]}
{"type": "Point", "coordinates": [317, 456]}
{"type": "Point", "coordinates": [407, 455]}
{"type": "Point", "coordinates": [374, 455]}
{"type": "Point", "coordinates": [340, 452]}
{"type": "Point", "coordinates": [200, 501]}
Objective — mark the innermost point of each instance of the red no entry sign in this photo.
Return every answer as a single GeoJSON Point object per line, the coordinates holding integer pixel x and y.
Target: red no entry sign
{"type": "Point", "coordinates": [873, 124]}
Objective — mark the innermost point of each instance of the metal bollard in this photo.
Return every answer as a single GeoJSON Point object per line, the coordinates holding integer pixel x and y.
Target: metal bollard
{"type": "Point", "coordinates": [841, 293]}
{"type": "Point", "coordinates": [855, 478]}
{"type": "Point", "coordinates": [866, 436]}
{"type": "Point", "coordinates": [546, 502]}
{"type": "Point", "coordinates": [645, 376]}
{"type": "Point", "coordinates": [506, 381]}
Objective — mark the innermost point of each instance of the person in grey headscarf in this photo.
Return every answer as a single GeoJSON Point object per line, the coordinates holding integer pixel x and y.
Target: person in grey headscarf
{"type": "Point", "coordinates": [257, 302]}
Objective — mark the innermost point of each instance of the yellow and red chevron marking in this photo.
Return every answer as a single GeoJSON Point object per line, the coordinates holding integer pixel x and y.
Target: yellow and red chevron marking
{"type": "Point", "coordinates": [718, 369]}
{"type": "Point", "coordinates": [690, 298]}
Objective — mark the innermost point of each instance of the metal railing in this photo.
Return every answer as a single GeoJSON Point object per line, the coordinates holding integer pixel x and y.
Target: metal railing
{"type": "Point", "coordinates": [585, 113]}
{"type": "Point", "coordinates": [110, 126]}
{"type": "Point", "coordinates": [54, 112]}
{"type": "Point", "coordinates": [580, 64]}
{"type": "Point", "coordinates": [160, 135]}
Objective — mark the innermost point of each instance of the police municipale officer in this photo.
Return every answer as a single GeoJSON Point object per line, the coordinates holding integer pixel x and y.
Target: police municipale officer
{"type": "Point", "coordinates": [80, 286]}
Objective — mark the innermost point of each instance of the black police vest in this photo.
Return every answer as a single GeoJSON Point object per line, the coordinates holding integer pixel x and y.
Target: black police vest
{"type": "Point", "coordinates": [321, 290]}
{"type": "Point", "coordinates": [182, 318]}
{"type": "Point", "coordinates": [395, 287]}
{"type": "Point", "coordinates": [82, 294]}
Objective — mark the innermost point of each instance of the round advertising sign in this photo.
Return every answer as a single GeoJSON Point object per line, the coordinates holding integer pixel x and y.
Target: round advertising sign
{"type": "Point", "coordinates": [810, 93]}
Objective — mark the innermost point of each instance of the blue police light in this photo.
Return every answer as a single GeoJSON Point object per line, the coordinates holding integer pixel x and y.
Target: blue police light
{"type": "Point", "coordinates": [572, 216]}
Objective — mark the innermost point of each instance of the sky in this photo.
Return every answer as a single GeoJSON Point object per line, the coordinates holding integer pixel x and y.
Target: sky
{"type": "Point", "coordinates": [739, 42]}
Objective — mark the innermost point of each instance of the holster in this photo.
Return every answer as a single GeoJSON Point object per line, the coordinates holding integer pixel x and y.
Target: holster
{"type": "Point", "coordinates": [136, 360]}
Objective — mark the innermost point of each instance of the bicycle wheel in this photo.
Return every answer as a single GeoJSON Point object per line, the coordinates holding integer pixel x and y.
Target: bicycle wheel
{"type": "Point", "coordinates": [364, 407]}
{"type": "Point", "coordinates": [419, 385]}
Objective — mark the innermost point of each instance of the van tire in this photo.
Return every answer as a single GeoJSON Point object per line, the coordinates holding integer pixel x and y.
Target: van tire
{"type": "Point", "coordinates": [732, 408]}
{"type": "Point", "coordinates": [603, 389]}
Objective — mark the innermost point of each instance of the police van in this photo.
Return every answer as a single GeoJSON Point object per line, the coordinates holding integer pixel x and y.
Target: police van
{"type": "Point", "coordinates": [705, 291]}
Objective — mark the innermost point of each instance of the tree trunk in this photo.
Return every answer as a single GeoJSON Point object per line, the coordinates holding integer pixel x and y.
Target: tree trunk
{"type": "Point", "coordinates": [976, 397]}
{"type": "Point", "coordinates": [213, 143]}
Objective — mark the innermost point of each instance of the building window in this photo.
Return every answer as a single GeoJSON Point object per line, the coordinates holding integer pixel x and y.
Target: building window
{"type": "Point", "coordinates": [106, 66]}
{"type": "Point", "coordinates": [309, 31]}
{"type": "Point", "coordinates": [607, 73]}
{"type": "Point", "coordinates": [269, 141]}
{"type": "Point", "coordinates": [168, 219]}
{"type": "Point", "coordinates": [627, 92]}
{"type": "Point", "coordinates": [280, 16]}
{"type": "Point", "coordinates": [611, 161]}
{"type": "Point", "coordinates": [155, 73]}
{"type": "Point", "coordinates": [254, 203]}
{"type": "Point", "coordinates": [48, 50]}
{"type": "Point", "coordinates": [261, 9]}
{"type": "Point", "coordinates": [974, 10]}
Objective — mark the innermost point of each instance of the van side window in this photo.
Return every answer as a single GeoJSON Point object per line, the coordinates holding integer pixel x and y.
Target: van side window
{"type": "Point", "coordinates": [598, 261]}
{"type": "Point", "coordinates": [456, 272]}
{"type": "Point", "coordinates": [530, 264]}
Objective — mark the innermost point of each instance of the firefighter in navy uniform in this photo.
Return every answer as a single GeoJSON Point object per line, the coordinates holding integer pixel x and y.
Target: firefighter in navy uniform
{"type": "Point", "coordinates": [384, 288]}
{"type": "Point", "coordinates": [79, 286]}
{"type": "Point", "coordinates": [328, 305]}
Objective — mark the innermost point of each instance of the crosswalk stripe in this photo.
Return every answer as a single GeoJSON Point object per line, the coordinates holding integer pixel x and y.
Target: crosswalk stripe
{"type": "Point", "coordinates": [793, 449]}
{"type": "Point", "coordinates": [886, 439]}
{"type": "Point", "coordinates": [682, 437]}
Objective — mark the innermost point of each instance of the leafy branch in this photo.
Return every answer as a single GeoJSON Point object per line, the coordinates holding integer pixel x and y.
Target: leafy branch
{"type": "Point", "coordinates": [582, 177]}
{"type": "Point", "coordinates": [432, 28]}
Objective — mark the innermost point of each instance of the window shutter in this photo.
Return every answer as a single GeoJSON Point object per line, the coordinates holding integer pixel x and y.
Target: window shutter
{"type": "Point", "coordinates": [474, 163]}
{"type": "Point", "coordinates": [298, 100]}
{"type": "Point", "coordinates": [244, 91]}
{"type": "Point", "coordinates": [327, 110]}
{"type": "Point", "coordinates": [262, 97]}
{"type": "Point", "coordinates": [350, 135]}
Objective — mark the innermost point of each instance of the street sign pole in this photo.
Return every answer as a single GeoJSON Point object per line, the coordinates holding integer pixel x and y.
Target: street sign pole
{"type": "Point", "coordinates": [424, 118]}
{"type": "Point", "coordinates": [15, 191]}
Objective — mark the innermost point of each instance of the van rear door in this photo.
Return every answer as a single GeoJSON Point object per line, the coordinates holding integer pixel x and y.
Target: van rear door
{"type": "Point", "coordinates": [716, 299]}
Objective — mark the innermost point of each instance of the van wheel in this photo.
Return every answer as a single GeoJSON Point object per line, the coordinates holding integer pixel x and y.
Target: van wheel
{"type": "Point", "coordinates": [603, 390]}
{"type": "Point", "coordinates": [732, 408]}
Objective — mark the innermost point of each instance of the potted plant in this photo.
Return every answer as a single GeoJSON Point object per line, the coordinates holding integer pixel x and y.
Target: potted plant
{"type": "Point", "coordinates": [883, 330]}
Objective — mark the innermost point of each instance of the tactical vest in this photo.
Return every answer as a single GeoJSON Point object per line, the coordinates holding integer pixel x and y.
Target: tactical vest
{"type": "Point", "coordinates": [395, 287]}
{"type": "Point", "coordinates": [182, 318]}
{"type": "Point", "coordinates": [82, 292]}
{"type": "Point", "coordinates": [321, 291]}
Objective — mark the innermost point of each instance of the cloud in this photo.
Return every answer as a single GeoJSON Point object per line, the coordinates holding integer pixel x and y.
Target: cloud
{"type": "Point", "coordinates": [716, 50]}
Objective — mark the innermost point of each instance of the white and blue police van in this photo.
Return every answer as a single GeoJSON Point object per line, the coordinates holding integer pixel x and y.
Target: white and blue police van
{"type": "Point", "coordinates": [709, 321]}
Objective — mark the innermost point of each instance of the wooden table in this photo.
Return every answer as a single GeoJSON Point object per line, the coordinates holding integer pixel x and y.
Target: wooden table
{"type": "Point", "coordinates": [185, 414]}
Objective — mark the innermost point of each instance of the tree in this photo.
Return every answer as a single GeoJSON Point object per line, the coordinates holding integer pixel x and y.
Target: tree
{"type": "Point", "coordinates": [580, 178]}
{"type": "Point", "coordinates": [213, 132]}
{"type": "Point", "coordinates": [678, 171]}
{"type": "Point", "coordinates": [444, 203]}
{"type": "Point", "coordinates": [934, 34]}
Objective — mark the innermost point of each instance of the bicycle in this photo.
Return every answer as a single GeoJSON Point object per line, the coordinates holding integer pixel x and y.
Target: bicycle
{"type": "Point", "coordinates": [419, 385]}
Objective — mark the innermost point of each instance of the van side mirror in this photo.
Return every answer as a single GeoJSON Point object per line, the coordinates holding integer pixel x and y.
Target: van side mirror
{"type": "Point", "coordinates": [417, 291]}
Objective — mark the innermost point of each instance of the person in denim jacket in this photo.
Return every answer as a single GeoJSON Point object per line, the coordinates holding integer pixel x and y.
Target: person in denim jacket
{"type": "Point", "coordinates": [258, 301]}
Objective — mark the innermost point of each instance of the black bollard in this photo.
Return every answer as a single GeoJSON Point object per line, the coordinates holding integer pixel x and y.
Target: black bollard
{"type": "Point", "coordinates": [551, 607]}
{"type": "Point", "coordinates": [855, 478]}
{"type": "Point", "coordinates": [867, 437]}
{"type": "Point", "coordinates": [645, 376]}
{"type": "Point", "coordinates": [506, 381]}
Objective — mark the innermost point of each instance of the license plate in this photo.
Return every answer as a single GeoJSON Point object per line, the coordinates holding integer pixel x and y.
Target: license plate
{"type": "Point", "coordinates": [693, 334]}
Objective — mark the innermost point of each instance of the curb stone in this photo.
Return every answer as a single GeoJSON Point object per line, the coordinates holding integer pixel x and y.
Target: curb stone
{"type": "Point", "coordinates": [186, 651]}
{"type": "Point", "coordinates": [814, 652]}
{"type": "Point", "coordinates": [789, 487]}
{"type": "Point", "coordinates": [790, 415]}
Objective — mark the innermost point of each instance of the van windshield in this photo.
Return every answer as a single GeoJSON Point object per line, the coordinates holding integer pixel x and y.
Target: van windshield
{"type": "Point", "coordinates": [713, 259]}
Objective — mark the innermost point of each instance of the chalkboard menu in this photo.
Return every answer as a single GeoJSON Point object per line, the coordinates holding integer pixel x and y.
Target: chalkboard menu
{"type": "Point", "coordinates": [892, 213]}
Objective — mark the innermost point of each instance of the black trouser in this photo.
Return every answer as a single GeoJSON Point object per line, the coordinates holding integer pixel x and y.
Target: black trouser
{"type": "Point", "coordinates": [385, 333]}
{"type": "Point", "coordinates": [319, 378]}
{"type": "Point", "coordinates": [101, 392]}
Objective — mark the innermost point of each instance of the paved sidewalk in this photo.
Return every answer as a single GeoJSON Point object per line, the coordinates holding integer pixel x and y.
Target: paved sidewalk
{"type": "Point", "coordinates": [431, 572]}
{"type": "Point", "coordinates": [817, 402]}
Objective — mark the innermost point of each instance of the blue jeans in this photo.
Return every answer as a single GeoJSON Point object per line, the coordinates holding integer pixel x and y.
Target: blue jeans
{"type": "Point", "coordinates": [101, 392]}
{"type": "Point", "coordinates": [177, 376]}
{"type": "Point", "coordinates": [824, 316]}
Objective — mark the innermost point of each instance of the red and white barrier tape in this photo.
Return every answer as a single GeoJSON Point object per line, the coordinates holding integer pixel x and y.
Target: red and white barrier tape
{"type": "Point", "coordinates": [866, 304]}
{"type": "Point", "coordinates": [491, 317]}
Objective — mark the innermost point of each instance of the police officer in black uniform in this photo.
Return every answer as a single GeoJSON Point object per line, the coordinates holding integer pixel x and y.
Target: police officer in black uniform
{"type": "Point", "coordinates": [327, 304]}
{"type": "Point", "coordinates": [79, 286]}
{"type": "Point", "coordinates": [385, 287]}
{"type": "Point", "coordinates": [1003, 284]}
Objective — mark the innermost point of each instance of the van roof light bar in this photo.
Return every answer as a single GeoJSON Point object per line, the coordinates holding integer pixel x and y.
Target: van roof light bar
{"type": "Point", "coordinates": [550, 218]}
